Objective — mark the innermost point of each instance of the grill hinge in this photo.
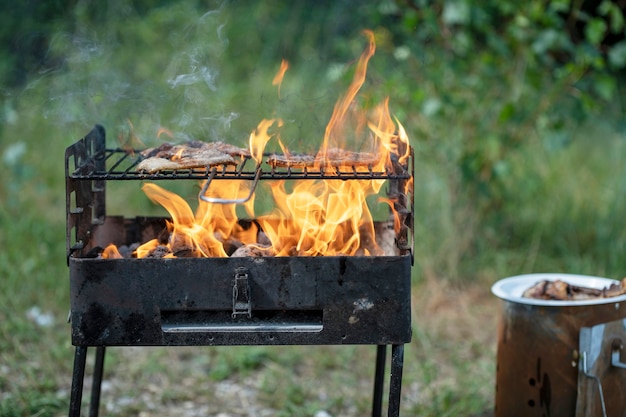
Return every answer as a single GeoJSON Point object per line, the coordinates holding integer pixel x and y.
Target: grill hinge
{"type": "Point", "coordinates": [241, 294]}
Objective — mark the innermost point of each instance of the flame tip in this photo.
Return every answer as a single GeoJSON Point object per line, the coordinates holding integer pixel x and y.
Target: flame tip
{"type": "Point", "coordinates": [312, 217]}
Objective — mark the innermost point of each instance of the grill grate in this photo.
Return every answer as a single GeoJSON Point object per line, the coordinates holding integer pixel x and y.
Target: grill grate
{"type": "Point", "coordinates": [92, 162]}
{"type": "Point", "coordinates": [122, 165]}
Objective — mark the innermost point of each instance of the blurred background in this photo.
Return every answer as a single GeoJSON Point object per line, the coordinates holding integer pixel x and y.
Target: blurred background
{"type": "Point", "coordinates": [515, 109]}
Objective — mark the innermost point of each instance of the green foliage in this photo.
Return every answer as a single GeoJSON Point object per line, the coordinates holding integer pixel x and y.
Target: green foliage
{"type": "Point", "coordinates": [239, 361]}
{"type": "Point", "coordinates": [497, 82]}
{"type": "Point", "coordinates": [32, 403]}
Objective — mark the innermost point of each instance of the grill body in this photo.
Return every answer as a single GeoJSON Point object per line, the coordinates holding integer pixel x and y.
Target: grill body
{"type": "Point", "coordinates": [227, 301]}
{"type": "Point", "coordinates": [291, 300]}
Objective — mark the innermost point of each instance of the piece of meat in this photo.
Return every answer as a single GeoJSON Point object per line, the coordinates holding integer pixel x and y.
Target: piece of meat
{"type": "Point", "coordinates": [583, 293]}
{"type": "Point", "coordinates": [333, 157]}
{"type": "Point", "coordinates": [560, 290]}
{"type": "Point", "coordinates": [155, 164]}
{"type": "Point", "coordinates": [336, 156]}
{"type": "Point", "coordinates": [616, 289]}
{"type": "Point", "coordinates": [187, 160]}
{"type": "Point", "coordinates": [291, 161]}
{"type": "Point", "coordinates": [169, 151]}
{"type": "Point", "coordinates": [537, 291]}
{"type": "Point", "coordinates": [229, 149]}
{"type": "Point", "coordinates": [557, 290]}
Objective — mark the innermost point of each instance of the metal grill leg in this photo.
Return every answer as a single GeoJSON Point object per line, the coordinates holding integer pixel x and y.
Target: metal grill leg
{"type": "Point", "coordinates": [379, 380]}
{"type": "Point", "coordinates": [96, 386]}
{"type": "Point", "coordinates": [395, 385]}
{"type": "Point", "coordinates": [78, 376]}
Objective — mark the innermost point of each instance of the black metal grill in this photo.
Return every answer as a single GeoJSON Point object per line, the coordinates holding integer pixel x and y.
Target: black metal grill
{"type": "Point", "coordinates": [123, 166]}
{"type": "Point", "coordinates": [226, 301]}
{"type": "Point", "coordinates": [93, 162]}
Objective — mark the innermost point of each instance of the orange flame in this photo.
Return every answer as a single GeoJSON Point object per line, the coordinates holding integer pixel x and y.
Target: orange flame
{"type": "Point", "coordinates": [111, 252]}
{"type": "Point", "coordinates": [311, 217]}
{"type": "Point", "coordinates": [335, 129]}
{"type": "Point", "coordinates": [260, 136]}
{"type": "Point", "coordinates": [320, 218]}
{"type": "Point", "coordinates": [203, 233]}
{"type": "Point", "coordinates": [278, 78]}
{"type": "Point", "coordinates": [178, 155]}
{"type": "Point", "coordinates": [129, 140]}
{"type": "Point", "coordinates": [163, 131]}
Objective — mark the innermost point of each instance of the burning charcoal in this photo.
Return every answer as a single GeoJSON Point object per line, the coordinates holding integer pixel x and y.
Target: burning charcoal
{"type": "Point", "coordinates": [231, 245]}
{"type": "Point", "coordinates": [185, 253]}
{"type": "Point", "coordinates": [262, 239]}
{"type": "Point", "coordinates": [255, 251]}
{"type": "Point", "coordinates": [159, 252]}
{"type": "Point", "coordinates": [385, 238]}
{"type": "Point", "coordinates": [164, 237]}
{"type": "Point", "coordinates": [368, 242]}
{"type": "Point", "coordinates": [180, 243]}
{"type": "Point", "coordinates": [126, 251]}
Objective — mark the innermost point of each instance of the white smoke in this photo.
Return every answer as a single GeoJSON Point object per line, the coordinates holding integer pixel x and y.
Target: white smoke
{"type": "Point", "coordinates": [97, 84]}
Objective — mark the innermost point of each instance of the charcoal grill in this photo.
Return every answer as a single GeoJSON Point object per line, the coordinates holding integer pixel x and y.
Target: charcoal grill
{"type": "Point", "coordinates": [333, 300]}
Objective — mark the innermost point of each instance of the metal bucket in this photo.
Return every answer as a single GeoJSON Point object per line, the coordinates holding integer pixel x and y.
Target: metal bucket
{"type": "Point", "coordinates": [538, 345]}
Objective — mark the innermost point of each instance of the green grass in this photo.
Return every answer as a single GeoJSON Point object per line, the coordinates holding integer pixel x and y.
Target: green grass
{"type": "Point", "coordinates": [556, 203]}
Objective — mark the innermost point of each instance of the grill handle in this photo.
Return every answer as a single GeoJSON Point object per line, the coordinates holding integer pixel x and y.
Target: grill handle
{"type": "Point", "coordinates": [242, 304]}
{"type": "Point", "coordinates": [205, 187]}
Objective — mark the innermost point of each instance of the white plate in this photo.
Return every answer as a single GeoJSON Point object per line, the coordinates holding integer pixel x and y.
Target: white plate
{"type": "Point", "coordinates": [512, 288]}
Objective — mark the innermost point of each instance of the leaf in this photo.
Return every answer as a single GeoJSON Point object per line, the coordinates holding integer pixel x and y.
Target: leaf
{"type": "Point", "coordinates": [546, 40]}
{"type": "Point", "coordinates": [614, 14]}
{"type": "Point", "coordinates": [431, 107]}
{"type": "Point", "coordinates": [617, 19]}
{"type": "Point", "coordinates": [617, 55]}
{"type": "Point", "coordinates": [507, 112]}
{"type": "Point", "coordinates": [456, 12]}
{"type": "Point", "coordinates": [605, 85]}
{"type": "Point", "coordinates": [595, 30]}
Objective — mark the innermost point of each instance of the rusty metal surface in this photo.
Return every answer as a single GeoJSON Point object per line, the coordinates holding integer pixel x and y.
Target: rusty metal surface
{"type": "Point", "coordinates": [294, 300]}
{"type": "Point", "coordinates": [538, 356]}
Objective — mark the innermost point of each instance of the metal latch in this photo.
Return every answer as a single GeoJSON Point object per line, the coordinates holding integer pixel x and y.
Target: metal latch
{"type": "Point", "coordinates": [242, 304]}
{"type": "Point", "coordinates": [615, 354]}
{"type": "Point", "coordinates": [600, 350]}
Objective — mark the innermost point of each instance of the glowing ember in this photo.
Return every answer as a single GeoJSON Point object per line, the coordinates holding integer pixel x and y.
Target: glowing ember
{"type": "Point", "coordinates": [311, 217]}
